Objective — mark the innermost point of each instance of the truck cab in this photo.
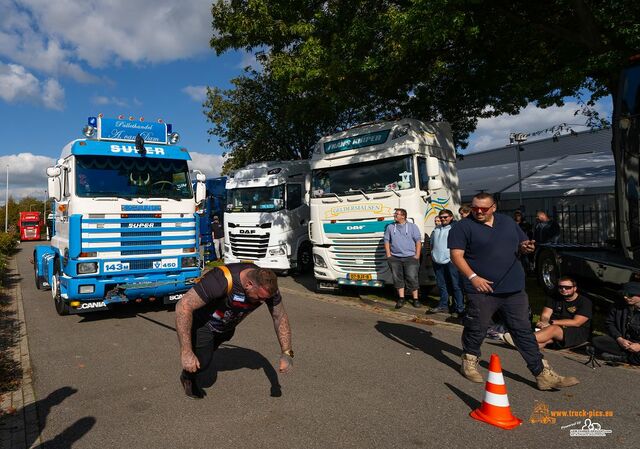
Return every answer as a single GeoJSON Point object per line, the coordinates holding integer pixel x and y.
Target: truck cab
{"type": "Point", "coordinates": [124, 222]}
{"type": "Point", "coordinates": [266, 218]}
{"type": "Point", "coordinates": [29, 226]}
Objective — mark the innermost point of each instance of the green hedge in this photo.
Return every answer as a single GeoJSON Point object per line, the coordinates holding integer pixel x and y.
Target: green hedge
{"type": "Point", "coordinates": [8, 245]}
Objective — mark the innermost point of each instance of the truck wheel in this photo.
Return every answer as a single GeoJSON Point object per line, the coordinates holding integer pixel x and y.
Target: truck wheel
{"type": "Point", "coordinates": [61, 307]}
{"type": "Point", "coordinates": [305, 258]}
{"type": "Point", "coordinates": [548, 272]}
{"type": "Point", "coordinates": [35, 273]}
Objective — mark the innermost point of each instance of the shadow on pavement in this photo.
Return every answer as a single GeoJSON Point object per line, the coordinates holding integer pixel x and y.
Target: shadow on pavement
{"type": "Point", "coordinates": [41, 409]}
{"type": "Point", "coordinates": [73, 433]}
{"type": "Point", "coordinates": [419, 339]}
{"type": "Point", "coordinates": [232, 358]}
{"type": "Point", "coordinates": [472, 402]}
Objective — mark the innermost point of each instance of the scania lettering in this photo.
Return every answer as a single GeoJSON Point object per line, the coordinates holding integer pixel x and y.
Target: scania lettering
{"type": "Point", "coordinates": [267, 216]}
{"type": "Point", "coordinates": [359, 177]}
{"type": "Point", "coordinates": [124, 221]}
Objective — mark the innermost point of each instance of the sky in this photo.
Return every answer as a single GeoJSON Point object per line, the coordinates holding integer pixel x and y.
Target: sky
{"type": "Point", "coordinates": [65, 60]}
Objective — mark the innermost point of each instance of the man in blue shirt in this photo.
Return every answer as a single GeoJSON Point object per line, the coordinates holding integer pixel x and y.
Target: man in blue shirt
{"type": "Point", "coordinates": [445, 271]}
{"type": "Point", "coordinates": [485, 248]}
{"type": "Point", "coordinates": [402, 244]}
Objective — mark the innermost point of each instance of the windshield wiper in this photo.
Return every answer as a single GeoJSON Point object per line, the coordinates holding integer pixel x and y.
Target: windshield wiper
{"type": "Point", "coordinates": [394, 191]}
{"type": "Point", "coordinates": [333, 194]}
{"type": "Point", "coordinates": [360, 191]}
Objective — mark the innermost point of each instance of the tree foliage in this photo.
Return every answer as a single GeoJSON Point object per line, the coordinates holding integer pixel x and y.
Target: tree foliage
{"type": "Point", "coordinates": [259, 119]}
{"type": "Point", "coordinates": [453, 60]}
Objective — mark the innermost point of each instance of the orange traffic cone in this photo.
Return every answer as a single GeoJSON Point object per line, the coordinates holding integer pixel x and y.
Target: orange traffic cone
{"type": "Point", "coordinates": [495, 409]}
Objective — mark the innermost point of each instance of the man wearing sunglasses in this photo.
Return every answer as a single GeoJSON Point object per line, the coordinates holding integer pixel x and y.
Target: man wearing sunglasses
{"type": "Point", "coordinates": [622, 344]}
{"type": "Point", "coordinates": [565, 320]}
{"type": "Point", "coordinates": [486, 248]}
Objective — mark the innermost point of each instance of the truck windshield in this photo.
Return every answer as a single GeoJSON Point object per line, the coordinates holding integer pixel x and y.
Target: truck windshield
{"type": "Point", "coordinates": [376, 176]}
{"type": "Point", "coordinates": [127, 177]}
{"type": "Point", "coordinates": [256, 199]}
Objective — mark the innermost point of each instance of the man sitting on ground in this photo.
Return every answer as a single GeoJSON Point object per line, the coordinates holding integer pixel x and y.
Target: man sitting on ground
{"type": "Point", "coordinates": [622, 344]}
{"type": "Point", "coordinates": [565, 320]}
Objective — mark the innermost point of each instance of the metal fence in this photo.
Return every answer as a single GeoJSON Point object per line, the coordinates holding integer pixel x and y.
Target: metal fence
{"type": "Point", "coordinates": [591, 225]}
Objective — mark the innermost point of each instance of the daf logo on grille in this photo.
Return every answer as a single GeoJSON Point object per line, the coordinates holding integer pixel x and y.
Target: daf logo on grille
{"type": "Point", "coordinates": [247, 231]}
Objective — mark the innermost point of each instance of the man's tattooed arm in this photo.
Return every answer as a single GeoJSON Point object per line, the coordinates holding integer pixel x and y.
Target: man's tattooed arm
{"type": "Point", "coordinates": [184, 320]}
{"type": "Point", "coordinates": [281, 325]}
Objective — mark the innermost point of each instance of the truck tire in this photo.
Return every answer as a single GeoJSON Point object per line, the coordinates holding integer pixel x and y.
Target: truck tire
{"type": "Point", "coordinates": [305, 258]}
{"type": "Point", "coordinates": [61, 307]}
{"type": "Point", "coordinates": [548, 271]}
{"type": "Point", "coordinates": [35, 273]}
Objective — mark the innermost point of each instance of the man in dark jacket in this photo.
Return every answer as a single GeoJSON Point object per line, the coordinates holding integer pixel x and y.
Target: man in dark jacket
{"type": "Point", "coordinates": [545, 230]}
{"type": "Point", "coordinates": [622, 344]}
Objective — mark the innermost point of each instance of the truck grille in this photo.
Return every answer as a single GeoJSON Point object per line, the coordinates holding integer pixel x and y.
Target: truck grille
{"type": "Point", "coordinates": [358, 254]}
{"type": "Point", "coordinates": [249, 246]}
{"type": "Point", "coordinates": [151, 237]}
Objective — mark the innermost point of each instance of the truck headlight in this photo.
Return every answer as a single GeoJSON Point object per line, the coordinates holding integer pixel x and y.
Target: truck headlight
{"type": "Point", "coordinates": [279, 251]}
{"type": "Point", "coordinates": [87, 267]}
{"type": "Point", "coordinates": [189, 262]}
{"type": "Point", "coordinates": [86, 289]}
{"type": "Point", "coordinates": [318, 261]}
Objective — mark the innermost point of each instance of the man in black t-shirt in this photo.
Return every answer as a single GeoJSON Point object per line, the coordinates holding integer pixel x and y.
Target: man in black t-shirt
{"type": "Point", "coordinates": [485, 250]}
{"type": "Point", "coordinates": [208, 314]}
{"type": "Point", "coordinates": [565, 320]}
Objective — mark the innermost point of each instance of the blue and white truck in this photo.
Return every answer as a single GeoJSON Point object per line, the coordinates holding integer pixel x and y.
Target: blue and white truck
{"type": "Point", "coordinates": [124, 218]}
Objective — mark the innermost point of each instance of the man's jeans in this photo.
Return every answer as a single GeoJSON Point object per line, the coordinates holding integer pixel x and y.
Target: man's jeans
{"type": "Point", "coordinates": [515, 309]}
{"type": "Point", "coordinates": [447, 279]}
{"type": "Point", "coordinates": [405, 272]}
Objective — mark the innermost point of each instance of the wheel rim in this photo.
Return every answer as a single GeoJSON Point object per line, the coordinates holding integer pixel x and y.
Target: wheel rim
{"type": "Point", "coordinates": [549, 274]}
{"type": "Point", "coordinates": [54, 287]}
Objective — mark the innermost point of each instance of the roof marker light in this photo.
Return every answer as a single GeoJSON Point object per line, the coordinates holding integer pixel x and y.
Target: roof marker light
{"type": "Point", "coordinates": [132, 118]}
{"type": "Point", "coordinates": [101, 115]}
{"type": "Point", "coordinates": [142, 119]}
{"type": "Point", "coordinates": [160, 120]}
{"type": "Point", "coordinates": [121, 117]}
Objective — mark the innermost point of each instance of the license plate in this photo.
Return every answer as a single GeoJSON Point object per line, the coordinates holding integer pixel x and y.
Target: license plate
{"type": "Point", "coordinates": [246, 261]}
{"type": "Point", "coordinates": [360, 276]}
{"type": "Point", "coordinates": [112, 267]}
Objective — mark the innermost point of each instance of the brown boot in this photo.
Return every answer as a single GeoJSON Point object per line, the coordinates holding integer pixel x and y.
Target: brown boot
{"type": "Point", "coordinates": [548, 379]}
{"type": "Point", "coordinates": [469, 368]}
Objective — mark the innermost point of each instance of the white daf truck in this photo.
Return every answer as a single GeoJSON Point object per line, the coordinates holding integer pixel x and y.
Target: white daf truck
{"type": "Point", "coordinates": [359, 176]}
{"type": "Point", "coordinates": [266, 218]}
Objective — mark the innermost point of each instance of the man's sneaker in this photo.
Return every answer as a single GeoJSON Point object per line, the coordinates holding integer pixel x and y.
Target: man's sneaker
{"type": "Point", "coordinates": [190, 387]}
{"type": "Point", "coordinates": [400, 304]}
{"type": "Point", "coordinates": [614, 358]}
{"type": "Point", "coordinates": [469, 368]}
{"type": "Point", "coordinates": [507, 339]}
{"type": "Point", "coordinates": [416, 303]}
{"type": "Point", "coordinates": [548, 379]}
{"type": "Point", "coordinates": [437, 310]}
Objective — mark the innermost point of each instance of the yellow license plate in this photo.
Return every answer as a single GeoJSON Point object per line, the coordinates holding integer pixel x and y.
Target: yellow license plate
{"type": "Point", "coordinates": [246, 261]}
{"type": "Point", "coordinates": [360, 276]}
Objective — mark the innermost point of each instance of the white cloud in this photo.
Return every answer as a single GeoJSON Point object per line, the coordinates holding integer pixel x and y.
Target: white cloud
{"type": "Point", "coordinates": [196, 93]}
{"type": "Point", "coordinates": [27, 174]}
{"type": "Point", "coordinates": [494, 132]}
{"type": "Point", "coordinates": [102, 100]}
{"type": "Point", "coordinates": [66, 32]}
{"type": "Point", "coordinates": [209, 164]}
{"type": "Point", "coordinates": [18, 85]}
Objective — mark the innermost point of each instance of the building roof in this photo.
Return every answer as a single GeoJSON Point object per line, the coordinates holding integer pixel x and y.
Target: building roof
{"type": "Point", "coordinates": [570, 165]}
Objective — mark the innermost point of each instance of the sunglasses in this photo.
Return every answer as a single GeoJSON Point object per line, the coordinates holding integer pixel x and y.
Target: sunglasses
{"type": "Point", "coordinates": [565, 287]}
{"type": "Point", "coordinates": [484, 210]}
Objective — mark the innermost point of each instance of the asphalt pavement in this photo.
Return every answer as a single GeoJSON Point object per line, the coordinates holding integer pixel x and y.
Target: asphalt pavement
{"type": "Point", "coordinates": [363, 377]}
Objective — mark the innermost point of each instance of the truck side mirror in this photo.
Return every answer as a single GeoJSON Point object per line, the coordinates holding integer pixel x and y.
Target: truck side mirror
{"type": "Point", "coordinates": [433, 166]}
{"type": "Point", "coordinates": [54, 186]}
{"type": "Point", "coordinates": [306, 197]}
{"type": "Point", "coordinates": [201, 192]}
{"type": "Point", "coordinates": [434, 184]}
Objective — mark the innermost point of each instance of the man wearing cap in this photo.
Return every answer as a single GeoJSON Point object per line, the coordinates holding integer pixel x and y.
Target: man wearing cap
{"type": "Point", "coordinates": [217, 232]}
{"type": "Point", "coordinates": [622, 344]}
{"type": "Point", "coordinates": [485, 249]}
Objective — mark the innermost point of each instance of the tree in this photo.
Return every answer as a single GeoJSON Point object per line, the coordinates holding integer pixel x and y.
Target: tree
{"type": "Point", "coordinates": [454, 60]}
{"type": "Point", "coordinates": [260, 119]}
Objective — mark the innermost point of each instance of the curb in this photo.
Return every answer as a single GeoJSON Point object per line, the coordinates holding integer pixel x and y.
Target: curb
{"type": "Point", "coordinates": [21, 426]}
